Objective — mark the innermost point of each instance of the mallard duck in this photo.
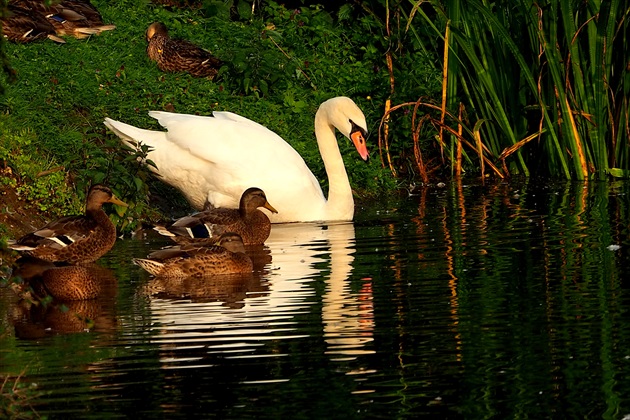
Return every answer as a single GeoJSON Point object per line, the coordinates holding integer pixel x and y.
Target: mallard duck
{"type": "Point", "coordinates": [250, 223]}
{"type": "Point", "coordinates": [74, 239]}
{"type": "Point", "coordinates": [211, 160]}
{"type": "Point", "coordinates": [22, 26]}
{"type": "Point", "coordinates": [227, 257]}
{"type": "Point", "coordinates": [178, 55]}
{"type": "Point", "coordinates": [77, 18]}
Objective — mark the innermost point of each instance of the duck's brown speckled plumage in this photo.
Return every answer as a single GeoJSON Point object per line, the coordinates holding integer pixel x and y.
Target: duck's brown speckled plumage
{"type": "Point", "coordinates": [250, 223]}
{"type": "Point", "coordinates": [74, 239]}
{"type": "Point", "coordinates": [177, 55]}
{"type": "Point", "coordinates": [199, 261]}
{"type": "Point", "coordinates": [22, 26]}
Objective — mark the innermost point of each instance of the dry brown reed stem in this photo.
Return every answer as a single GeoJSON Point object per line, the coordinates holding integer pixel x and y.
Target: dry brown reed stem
{"type": "Point", "coordinates": [388, 106]}
{"type": "Point", "coordinates": [417, 152]}
{"type": "Point", "coordinates": [384, 140]}
{"type": "Point", "coordinates": [444, 84]}
{"type": "Point", "coordinates": [513, 148]}
{"type": "Point", "coordinates": [416, 126]}
{"type": "Point", "coordinates": [479, 145]}
{"type": "Point", "coordinates": [458, 154]}
{"type": "Point", "coordinates": [50, 171]}
{"type": "Point", "coordinates": [578, 140]}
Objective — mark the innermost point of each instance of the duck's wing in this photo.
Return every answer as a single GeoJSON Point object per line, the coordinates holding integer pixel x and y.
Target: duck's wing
{"type": "Point", "coordinates": [177, 252]}
{"type": "Point", "coordinates": [187, 50]}
{"type": "Point", "coordinates": [202, 225]}
{"type": "Point", "coordinates": [58, 234]}
{"type": "Point", "coordinates": [85, 9]}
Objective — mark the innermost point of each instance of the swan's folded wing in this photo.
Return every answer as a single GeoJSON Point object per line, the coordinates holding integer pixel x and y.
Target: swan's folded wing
{"type": "Point", "coordinates": [230, 116]}
{"type": "Point", "coordinates": [232, 142]}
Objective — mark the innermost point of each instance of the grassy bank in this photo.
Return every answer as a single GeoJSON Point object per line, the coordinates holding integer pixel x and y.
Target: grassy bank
{"type": "Point", "coordinates": [280, 64]}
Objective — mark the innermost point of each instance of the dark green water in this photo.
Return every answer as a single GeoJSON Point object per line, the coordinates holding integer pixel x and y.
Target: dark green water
{"type": "Point", "coordinates": [503, 301]}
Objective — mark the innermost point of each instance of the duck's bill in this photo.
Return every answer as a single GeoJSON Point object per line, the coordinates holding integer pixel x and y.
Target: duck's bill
{"type": "Point", "coordinates": [270, 208]}
{"type": "Point", "coordinates": [115, 200]}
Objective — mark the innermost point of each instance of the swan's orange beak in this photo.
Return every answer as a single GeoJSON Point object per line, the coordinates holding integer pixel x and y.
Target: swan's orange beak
{"type": "Point", "coordinates": [358, 138]}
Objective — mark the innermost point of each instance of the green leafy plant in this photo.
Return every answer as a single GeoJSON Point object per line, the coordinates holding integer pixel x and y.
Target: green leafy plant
{"type": "Point", "coordinates": [280, 65]}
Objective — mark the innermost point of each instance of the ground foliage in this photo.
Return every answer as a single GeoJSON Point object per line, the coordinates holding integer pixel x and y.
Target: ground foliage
{"type": "Point", "coordinates": [281, 62]}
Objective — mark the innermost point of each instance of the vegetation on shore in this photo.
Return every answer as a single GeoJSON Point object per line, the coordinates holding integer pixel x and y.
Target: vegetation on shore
{"type": "Point", "coordinates": [450, 88]}
{"type": "Point", "coordinates": [280, 64]}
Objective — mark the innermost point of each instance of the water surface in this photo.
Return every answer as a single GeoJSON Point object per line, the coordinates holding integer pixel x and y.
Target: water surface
{"type": "Point", "coordinates": [468, 301]}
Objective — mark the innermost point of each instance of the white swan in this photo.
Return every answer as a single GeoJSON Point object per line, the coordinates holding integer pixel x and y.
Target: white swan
{"type": "Point", "coordinates": [214, 159]}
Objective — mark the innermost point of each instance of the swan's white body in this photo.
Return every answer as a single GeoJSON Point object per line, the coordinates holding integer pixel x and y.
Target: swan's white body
{"type": "Point", "coordinates": [212, 160]}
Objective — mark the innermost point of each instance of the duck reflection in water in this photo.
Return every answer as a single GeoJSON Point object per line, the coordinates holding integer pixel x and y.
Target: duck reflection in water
{"type": "Point", "coordinates": [202, 272]}
{"type": "Point", "coordinates": [269, 307]}
{"type": "Point", "coordinates": [62, 299]}
{"type": "Point", "coordinates": [229, 289]}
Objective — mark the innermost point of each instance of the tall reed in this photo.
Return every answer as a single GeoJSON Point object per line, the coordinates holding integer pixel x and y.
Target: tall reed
{"type": "Point", "coordinates": [545, 85]}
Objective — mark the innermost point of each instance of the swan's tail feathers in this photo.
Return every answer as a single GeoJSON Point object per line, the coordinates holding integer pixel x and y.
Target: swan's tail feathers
{"type": "Point", "coordinates": [134, 137]}
{"type": "Point", "coordinates": [152, 267]}
{"type": "Point", "coordinates": [123, 131]}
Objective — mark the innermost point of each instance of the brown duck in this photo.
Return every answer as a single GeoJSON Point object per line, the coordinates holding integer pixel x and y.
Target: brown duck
{"type": "Point", "coordinates": [250, 223]}
{"type": "Point", "coordinates": [183, 261]}
{"type": "Point", "coordinates": [74, 239]}
{"type": "Point", "coordinates": [21, 26]}
{"type": "Point", "coordinates": [77, 18]}
{"type": "Point", "coordinates": [178, 55]}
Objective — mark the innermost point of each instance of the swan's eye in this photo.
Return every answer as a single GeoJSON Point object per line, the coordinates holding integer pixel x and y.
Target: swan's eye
{"type": "Point", "coordinates": [357, 134]}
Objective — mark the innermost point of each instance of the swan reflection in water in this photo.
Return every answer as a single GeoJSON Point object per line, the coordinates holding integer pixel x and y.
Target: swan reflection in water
{"type": "Point", "coordinates": [265, 304]}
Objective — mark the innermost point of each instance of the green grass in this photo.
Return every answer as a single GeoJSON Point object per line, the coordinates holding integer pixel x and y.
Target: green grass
{"type": "Point", "coordinates": [279, 66]}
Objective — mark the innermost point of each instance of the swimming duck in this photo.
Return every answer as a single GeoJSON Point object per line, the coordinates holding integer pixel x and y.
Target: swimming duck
{"type": "Point", "coordinates": [22, 26]}
{"type": "Point", "coordinates": [178, 55]}
{"type": "Point", "coordinates": [212, 160]}
{"type": "Point", "coordinates": [227, 257]}
{"type": "Point", "coordinates": [74, 239]}
{"type": "Point", "coordinates": [250, 223]}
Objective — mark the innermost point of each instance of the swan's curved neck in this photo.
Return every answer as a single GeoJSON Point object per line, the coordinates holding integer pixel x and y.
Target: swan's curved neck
{"type": "Point", "coordinates": [340, 200]}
